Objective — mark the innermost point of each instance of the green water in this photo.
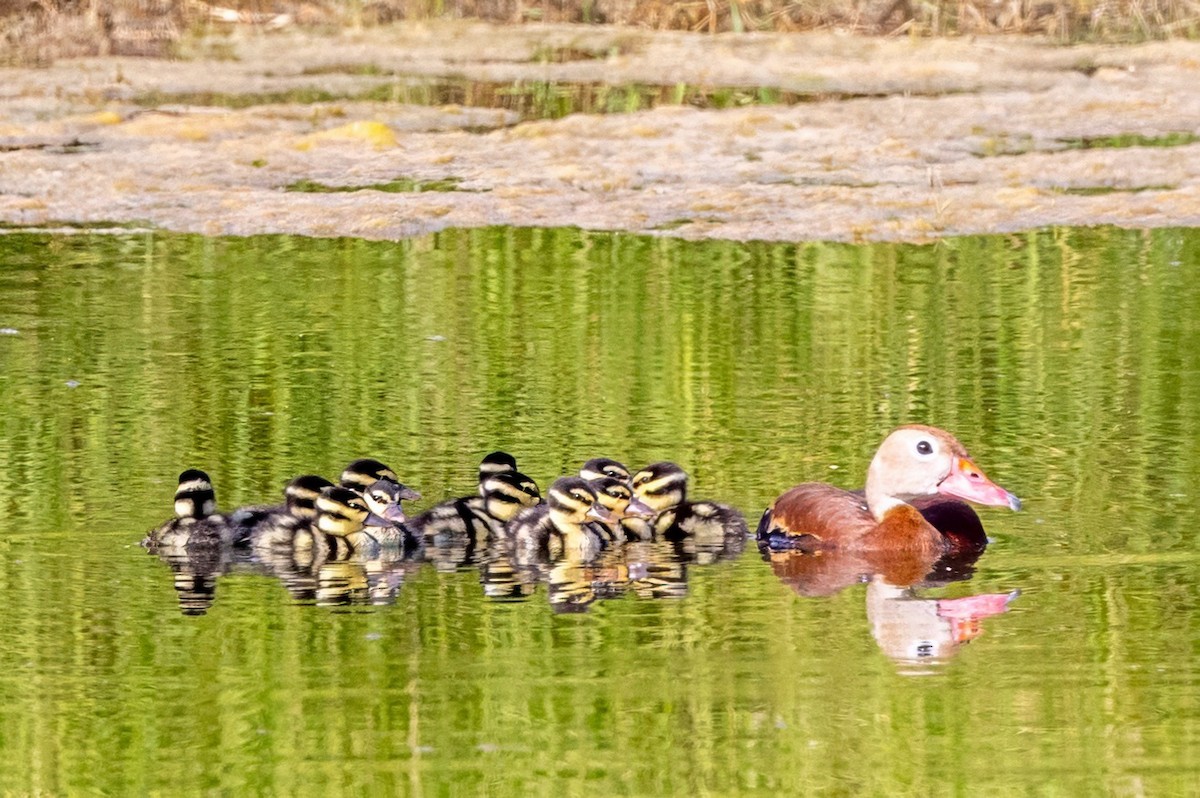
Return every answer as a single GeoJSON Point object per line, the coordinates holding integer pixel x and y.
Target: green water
{"type": "Point", "coordinates": [1068, 361]}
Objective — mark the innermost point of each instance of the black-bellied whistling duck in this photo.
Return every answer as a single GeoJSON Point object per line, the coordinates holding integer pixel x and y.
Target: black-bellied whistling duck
{"type": "Point", "coordinates": [912, 462]}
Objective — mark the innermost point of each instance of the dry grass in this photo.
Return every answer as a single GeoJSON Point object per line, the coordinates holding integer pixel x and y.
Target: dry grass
{"type": "Point", "coordinates": [39, 30]}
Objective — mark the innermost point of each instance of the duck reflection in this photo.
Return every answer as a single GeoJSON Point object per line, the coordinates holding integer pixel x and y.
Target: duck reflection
{"type": "Point", "coordinates": [909, 628]}
{"type": "Point", "coordinates": [917, 631]}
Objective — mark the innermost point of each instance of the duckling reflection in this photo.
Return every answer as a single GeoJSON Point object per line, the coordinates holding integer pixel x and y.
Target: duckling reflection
{"type": "Point", "coordinates": [196, 523]}
{"type": "Point", "coordinates": [917, 631]}
{"type": "Point", "coordinates": [373, 581]}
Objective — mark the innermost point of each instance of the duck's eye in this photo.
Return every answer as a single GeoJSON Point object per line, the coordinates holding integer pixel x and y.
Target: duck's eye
{"type": "Point", "coordinates": [924, 447]}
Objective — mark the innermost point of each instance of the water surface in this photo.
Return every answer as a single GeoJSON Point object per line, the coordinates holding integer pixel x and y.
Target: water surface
{"type": "Point", "coordinates": [1068, 361]}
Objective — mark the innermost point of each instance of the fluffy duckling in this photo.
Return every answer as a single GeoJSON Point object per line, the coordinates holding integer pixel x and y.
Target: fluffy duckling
{"type": "Point", "coordinates": [264, 528]}
{"type": "Point", "coordinates": [619, 499]}
{"type": "Point", "coordinates": [663, 486]}
{"type": "Point", "coordinates": [601, 467]}
{"type": "Point", "coordinates": [561, 525]}
{"type": "Point", "coordinates": [383, 498]}
{"type": "Point", "coordinates": [361, 474]}
{"type": "Point", "coordinates": [503, 492]}
{"type": "Point", "coordinates": [338, 530]}
{"type": "Point", "coordinates": [196, 522]}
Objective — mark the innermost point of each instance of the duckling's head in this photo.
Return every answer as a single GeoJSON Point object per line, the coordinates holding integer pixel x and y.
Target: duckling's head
{"type": "Point", "coordinates": [573, 502]}
{"type": "Point", "coordinates": [617, 497]}
{"type": "Point", "coordinates": [383, 497]}
{"type": "Point", "coordinates": [496, 463]}
{"type": "Point", "coordinates": [507, 493]}
{"type": "Point", "coordinates": [195, 497]}
{"type": "Point", "coordinates": [361, 473]}
{"type": "Point", "coordinates": [301, 495]}
{"type": "Point", "coordinates": [341, 511]}
{"type": "Point", "coordinates": [601, 467]}
{"type": "Point", "coordinates": [661, 486]}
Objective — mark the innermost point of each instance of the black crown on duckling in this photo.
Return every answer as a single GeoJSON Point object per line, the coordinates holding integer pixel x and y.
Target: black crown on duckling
{"type": "Point", "coordinates": [604, 467]}
{"type": "Point", "coordinates": [197, 522]}
{"type": "Point", "coordinates": [663, 487]}
{"type": "Point", "coordinates": [560, 526]}
{"type": "Point", "coordinates": [360, 474]}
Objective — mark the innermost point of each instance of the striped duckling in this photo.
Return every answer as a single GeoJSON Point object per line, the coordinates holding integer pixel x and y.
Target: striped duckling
{"type": "Point", "coordinates": [273, 527]}
{"type": "Point", "coordinates": [387, 522]}
{"type": "Point", "coordinates": [197, 522]}
{"type": "Point", "coordinates": [621, 502]}
{"type": "Point", "coordinates": [561, 524]}
{"type": "Point", "coordinates": [503, 492]}
{"type": "Point", "coordinates": [338, 531]}
{"type": "Point", "coordinates": [663, 486]}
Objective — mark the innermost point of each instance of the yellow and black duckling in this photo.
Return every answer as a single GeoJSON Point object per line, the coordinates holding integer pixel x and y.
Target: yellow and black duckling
{"type": "Point", "coordinates": [663, 486]}
{"type": "Point", "coordinates": [361, 474]}
{"type": "Point", "coordinates": [560, 526]}
{"type": "Point", "coordinates": [601, 467]}
{"type": "Point", "coordinates": [338, 531]}
{"type": "Point", "coordinates": [386, 523]}
{"type": "Point", "coordinates": [619, 499]}
{"type": "Point", "coordinates": [274, 526]}
{"type": "Point", "coordinates": [503, 492]}
{"type": "Point", "coordinates": [197, 522]}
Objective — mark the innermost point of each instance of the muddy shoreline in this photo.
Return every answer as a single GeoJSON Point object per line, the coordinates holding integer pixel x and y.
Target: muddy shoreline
{"type": "Point", "coordinates": [873, 139]}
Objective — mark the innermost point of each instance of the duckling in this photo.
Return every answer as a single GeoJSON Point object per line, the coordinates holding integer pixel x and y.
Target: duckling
{"type": "Point", "coordinates": [601, 467]}
{"type": "Point", "coordinates": [196, 522]}
{"type": "Point", "coordinates": [503, 492]}
{"type": "Point", "coordinates": [338, 530]}
{"type": "Point", "coordinates": [561, 525]}
{"type": "Point", "coordinates": [617, 497]}
{"type": "Point", "coordinates": [361, 474]}
{"type": "Point", "coordinates": [264, 528]}
{"type": "Point", "coordinates": [663, 486]}
{"type": "Point", "coordinates": [386, 524]}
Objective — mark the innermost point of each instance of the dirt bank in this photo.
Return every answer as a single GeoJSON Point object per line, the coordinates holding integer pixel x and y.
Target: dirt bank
{"type": "Point", "coordinates": [895, 139]}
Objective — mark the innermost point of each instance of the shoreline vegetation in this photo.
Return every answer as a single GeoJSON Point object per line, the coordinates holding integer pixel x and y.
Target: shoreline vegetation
{"type": "Point", "coordinates": [39, 31]}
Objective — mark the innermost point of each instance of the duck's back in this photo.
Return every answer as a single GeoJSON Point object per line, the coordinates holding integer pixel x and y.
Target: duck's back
{"type": "Point", "coordinates": [453, 519]}
{"type": "Point", "coordinates": [529, 533]}
{"type": "Point", "coordinates": [815, 515]}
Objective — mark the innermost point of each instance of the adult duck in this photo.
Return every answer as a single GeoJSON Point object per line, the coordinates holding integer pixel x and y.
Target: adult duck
{"type": "Point", "coordinates": [914, 462]}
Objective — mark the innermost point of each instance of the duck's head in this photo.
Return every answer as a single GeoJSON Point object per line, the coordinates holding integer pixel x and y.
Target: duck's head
{"type": "Point", "coordinates": [916, 460]}
{"type": "Point", "coordinates": [383, 497]}
{"type": "Point", "coordinates": [341, 511]}
{"type": "Point", "coordinates": [601, 467]}
{"type": "Point", "coordinates": [361, 473]}
{"type": "Point", "coordinates": [618, 498]}
{"type": "Point", "coordinates": [496, 463]}
{"type": "Point", "coordinates": [195, 496]}
{"type": "Point", "coordinates": [573, 502]}
{"type": "Point", "coordinates": [301, 495]}
{"type": "Point", "coordinates": [661, 486]}
{"type": "Point", "coordinates": [507, 493]}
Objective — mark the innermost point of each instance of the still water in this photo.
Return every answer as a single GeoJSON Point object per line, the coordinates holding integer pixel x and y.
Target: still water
{"type": "Point", "coordinates": [1068, 361]}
